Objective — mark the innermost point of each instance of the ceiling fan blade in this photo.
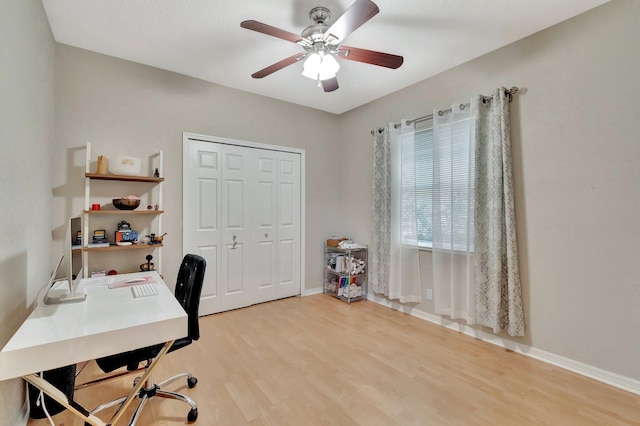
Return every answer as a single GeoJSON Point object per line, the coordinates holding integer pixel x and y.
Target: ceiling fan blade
{"type": "Point", "coordinates": [330, 84]}
{"type": "Point", "coordinates": [278, 66]}
{"type": "Point", "coordinates": [357, 14]}
{"type": "Point", "coordinates": [269, 30]}
{"type": "Point", "coordinates": [370, 57]}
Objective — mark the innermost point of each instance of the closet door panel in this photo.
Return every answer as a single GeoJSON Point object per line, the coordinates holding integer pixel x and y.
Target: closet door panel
{"type": "Point", "coordinates": [265, 227]}
{"type": "Point", "coordinates": [266, 265]}
{"type": "Point", "coordinates": [201, 215]}
{"type": "Point", "coordinates": [234, 267]}
{"type": "Point", "coordinates": [238, 164]}
{"type": "Point", "coordinates": [289, 225]}
{"type": "Point", "coordinates": [287, 255]}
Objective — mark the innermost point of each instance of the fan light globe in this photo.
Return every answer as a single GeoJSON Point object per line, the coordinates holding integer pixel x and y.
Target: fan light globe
{"type": "Point", "coordinates": [320, 66]}
{"type": "Point", "coordinates": [329, 67]}
{"type": "Point", "coordinates": [311, 67]}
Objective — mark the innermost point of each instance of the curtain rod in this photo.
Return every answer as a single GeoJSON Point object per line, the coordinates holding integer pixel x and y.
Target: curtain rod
{"type": "Point", "coordinates": [508, 92]}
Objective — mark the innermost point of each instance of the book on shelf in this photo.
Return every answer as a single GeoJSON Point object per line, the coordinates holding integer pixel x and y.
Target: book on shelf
{"type": "Point", "coordinates": [342, 283]}
{"type": "Point", "coordinates": [96, 244]}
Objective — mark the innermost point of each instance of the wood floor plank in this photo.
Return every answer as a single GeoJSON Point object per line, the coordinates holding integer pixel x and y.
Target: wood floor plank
{"type": "Point", "coordinates": [319, 361]}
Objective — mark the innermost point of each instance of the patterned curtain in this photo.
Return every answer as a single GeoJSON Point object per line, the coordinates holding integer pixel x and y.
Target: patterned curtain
{"type": "Point", "coordinates": [498, 291]}
{"type": "Point", "coordinates": [394, 269]}
{"type": "Point", "coordinates": [380, 247]}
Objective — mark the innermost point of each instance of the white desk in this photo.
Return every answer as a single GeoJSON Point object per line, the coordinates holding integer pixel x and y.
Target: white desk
{"type": "Point", "coordinates": [108, 322]}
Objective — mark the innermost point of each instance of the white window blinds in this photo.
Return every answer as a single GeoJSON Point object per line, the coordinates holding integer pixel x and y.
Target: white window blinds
{"type": "Point", "coordinates": [447, 164]}
{"type": "Point", "coordinates": [453, 180]}
{"type": "Point", "coordinates": [417, 186]}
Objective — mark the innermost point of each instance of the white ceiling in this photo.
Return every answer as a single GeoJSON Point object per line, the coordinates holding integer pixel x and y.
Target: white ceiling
{"type": "Point", "coordinates": [203, 39]}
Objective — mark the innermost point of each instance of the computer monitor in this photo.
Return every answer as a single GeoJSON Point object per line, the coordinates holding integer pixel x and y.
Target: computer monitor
{"type": "Point", "coordinates": [63, 284]}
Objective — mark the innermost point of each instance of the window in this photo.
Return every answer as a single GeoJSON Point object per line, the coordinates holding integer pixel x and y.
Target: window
{"type": "Point", "coordinates": [417, 187]}
{"type": "Point", "coordinates": [454, 197]}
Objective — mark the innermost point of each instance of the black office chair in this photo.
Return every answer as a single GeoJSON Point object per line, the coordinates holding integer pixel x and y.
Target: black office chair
{"type": "Point", "coordinates": [188, 289]}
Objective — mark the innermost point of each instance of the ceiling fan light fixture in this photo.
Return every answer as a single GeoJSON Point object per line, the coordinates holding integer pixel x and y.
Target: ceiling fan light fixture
{"type": "Point", "coordinates": [320, 66]}
{"type": "Point", "coordinates": [322, 42]}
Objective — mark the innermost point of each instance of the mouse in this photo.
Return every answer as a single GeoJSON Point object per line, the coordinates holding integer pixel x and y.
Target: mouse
{"type": "Point", "coordinates": [136, 280]}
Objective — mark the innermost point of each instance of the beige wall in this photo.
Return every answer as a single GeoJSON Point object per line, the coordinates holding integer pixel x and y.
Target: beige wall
{"type": "Point", "coordinates": [122, 107]}
{"type": "Point", "coordinates": [577, 177]}
{"type": "Point", "coordinates": [26, 141]}
{"type": "Point", "coordinates": [574, 140]}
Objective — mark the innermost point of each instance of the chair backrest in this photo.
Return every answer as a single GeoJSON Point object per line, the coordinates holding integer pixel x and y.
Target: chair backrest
{"type": "Point", "coordinates": [189, 288]}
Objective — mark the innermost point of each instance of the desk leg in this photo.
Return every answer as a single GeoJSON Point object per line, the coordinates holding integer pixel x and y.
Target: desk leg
{"type": "Point", "coordinates": [58, 396]}
{"type": "Point", "coordinates": [62, 399]}
{"type": "Point", "coordinates": [134, 392]}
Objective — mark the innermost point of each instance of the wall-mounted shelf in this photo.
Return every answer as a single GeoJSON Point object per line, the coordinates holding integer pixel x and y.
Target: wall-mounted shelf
{"type": "Point", "coordinates": [97, 176]}
{"type": "Point", "coordinates": [120, 212]}
{"type": "Point", "coordinates": [119, 248]}
{"type": "Point", "coordinates": [151, 218]}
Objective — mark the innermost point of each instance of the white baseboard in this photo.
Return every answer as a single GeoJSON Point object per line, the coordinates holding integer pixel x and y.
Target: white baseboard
{"type": "Point", "coordinates": [311, 292]}
{"type": "Point", "coordinates": [604, 376]}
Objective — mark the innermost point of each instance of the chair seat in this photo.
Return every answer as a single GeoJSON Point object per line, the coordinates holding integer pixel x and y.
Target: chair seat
{"type": "Point", "coordinates": [132, 358]}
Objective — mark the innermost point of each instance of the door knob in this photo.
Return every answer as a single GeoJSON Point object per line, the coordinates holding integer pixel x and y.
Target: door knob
{"type": "Point", "coordinates": [235, 242]}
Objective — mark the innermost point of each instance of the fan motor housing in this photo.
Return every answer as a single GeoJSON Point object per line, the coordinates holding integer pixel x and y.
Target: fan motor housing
{"type": "Point", "coordinates": [315, 32]}
{"type": "Point", "coordinates": [319, 15]}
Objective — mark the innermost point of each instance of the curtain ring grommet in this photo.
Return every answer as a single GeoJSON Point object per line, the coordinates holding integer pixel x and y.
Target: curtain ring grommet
{"type": "Point", "coordinates": [440, 113]}
{"type": "Point", "coordinates": [462, 107]}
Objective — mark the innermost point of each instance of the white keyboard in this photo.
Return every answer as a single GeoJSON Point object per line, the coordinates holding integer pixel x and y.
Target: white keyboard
{"type": "Point", "coordinates": [144, 290]}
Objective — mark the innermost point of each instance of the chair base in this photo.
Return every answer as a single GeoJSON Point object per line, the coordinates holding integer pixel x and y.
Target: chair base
{"type": "Point", "coordinates": [152, 390]}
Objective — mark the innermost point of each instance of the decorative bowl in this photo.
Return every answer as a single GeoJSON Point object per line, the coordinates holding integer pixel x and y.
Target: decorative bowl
{"type": "Point", "coordinates": [126, 203]}
{"type": "Point", "coordinates": [147, 267]}
{"type": "Point", "coordinates": [126, 165]}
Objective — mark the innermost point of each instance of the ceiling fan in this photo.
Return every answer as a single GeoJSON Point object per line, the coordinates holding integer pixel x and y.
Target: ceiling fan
{"type": "Point", "coordinates": [322, 43]}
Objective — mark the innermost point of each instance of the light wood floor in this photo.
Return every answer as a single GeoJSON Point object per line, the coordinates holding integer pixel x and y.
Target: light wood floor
{"type": "Point", "coordinates": [318, 361]}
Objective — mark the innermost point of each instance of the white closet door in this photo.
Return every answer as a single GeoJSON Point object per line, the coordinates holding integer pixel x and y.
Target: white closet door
{"type": "Point", "coordinates": [238, 219]}
{"type": "Point", "coordinates": [201, 214]}
{"type": "Point", "coordinates": [242, 213]}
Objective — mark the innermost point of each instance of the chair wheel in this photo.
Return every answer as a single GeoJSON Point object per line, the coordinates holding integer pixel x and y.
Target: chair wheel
{"type": "Point", "coordinates": [193, 415]}
{"type": "Point", "coordinates": [191, 382]}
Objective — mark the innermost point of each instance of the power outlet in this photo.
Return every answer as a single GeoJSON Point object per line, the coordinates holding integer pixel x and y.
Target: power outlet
{"type": "Point", "coordinates": [429, 294]}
